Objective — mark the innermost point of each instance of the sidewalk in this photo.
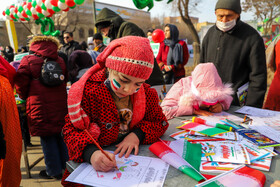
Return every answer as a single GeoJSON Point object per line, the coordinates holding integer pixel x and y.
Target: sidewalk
{"type": "Point", "coordinates": [33, 154]}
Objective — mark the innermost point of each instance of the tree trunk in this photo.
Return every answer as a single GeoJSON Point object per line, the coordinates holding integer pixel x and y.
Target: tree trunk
{"type": "Point", "coordinates": [188, 22]}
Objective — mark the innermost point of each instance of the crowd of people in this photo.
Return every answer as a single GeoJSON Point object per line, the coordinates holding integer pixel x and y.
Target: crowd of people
{"type": "Point", "coordinates": [111, 98]}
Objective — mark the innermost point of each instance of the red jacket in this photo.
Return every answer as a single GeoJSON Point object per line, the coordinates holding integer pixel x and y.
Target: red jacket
{"type": "Point", "coordinates": [99, 105]}
{"type": "Point", "coordinates": [46, 107]}
{"type": "Point", "coordinates": [162, 57]}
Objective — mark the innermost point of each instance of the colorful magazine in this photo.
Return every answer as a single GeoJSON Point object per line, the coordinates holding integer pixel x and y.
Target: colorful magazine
{"type": "Point", "coordinates": [259, 139]}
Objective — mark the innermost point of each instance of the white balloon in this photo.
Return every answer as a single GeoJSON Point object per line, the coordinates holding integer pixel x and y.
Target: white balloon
{"type": "Point", "coordinates": [33, 10]}
{"type": "Point", "coordinates": [48, 4]}
{"type": "Point", "coordinates": [45, 13]}
{"type": "Point", "coordinates": [39, 2]}
{"type": "Point", "coordinates": [8, 17]}
{"type": "Point", "coordinates": [19, 15]}
{"type": "Point", "coordinates": [62, 6]}
{"type": "Point", "coordinates": [12, 11]}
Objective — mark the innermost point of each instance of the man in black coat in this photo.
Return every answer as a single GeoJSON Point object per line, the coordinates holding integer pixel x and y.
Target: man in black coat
{"type": "Point", "coordinates": [238, 52]}
{"type": "Point", "coordinates": [70, 44]}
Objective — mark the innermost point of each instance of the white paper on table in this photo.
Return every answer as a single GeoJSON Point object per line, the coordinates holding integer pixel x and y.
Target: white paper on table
{"type": "Point", "coordinates": [269, 127]}
{"type": "Point", "coordinates": [137, 171]}
{"type": "Point", "coordinates": [257, 112]}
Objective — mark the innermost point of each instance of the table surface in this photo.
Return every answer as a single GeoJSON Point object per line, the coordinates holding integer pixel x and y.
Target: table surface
{"type": "Point", "coordinates": [176, 178]}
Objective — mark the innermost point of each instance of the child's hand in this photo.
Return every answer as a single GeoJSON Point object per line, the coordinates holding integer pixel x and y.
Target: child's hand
{"type": "Point", "coordinates": [101, 163]}
{"type": "Point", "coordinates": [275, 184]}
{"type": "Point", "coordinates": [167, 68]}
{"type": "Point", "coordinates": [217, 108]}
{"type": "Point", "coordinates": [129, 143]}
{"type": "Point", "coordinates": [202, 113]}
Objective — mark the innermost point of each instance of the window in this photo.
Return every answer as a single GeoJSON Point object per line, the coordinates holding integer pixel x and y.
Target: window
{"type": "Point", "coordinates": [90, 32]}
{"type": "Point", "coordinates": [81, 33]}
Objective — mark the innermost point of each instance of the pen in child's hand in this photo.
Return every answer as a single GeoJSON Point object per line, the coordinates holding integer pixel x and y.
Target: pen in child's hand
{"type": "Point", "coordinates": [99, 147]}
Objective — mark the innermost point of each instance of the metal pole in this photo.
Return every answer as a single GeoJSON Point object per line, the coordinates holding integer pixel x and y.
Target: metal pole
{"type": "Point", "coordinates": [94, 15]}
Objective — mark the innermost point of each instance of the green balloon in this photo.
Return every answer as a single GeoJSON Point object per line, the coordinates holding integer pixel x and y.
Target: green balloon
{"type": "Point", "coordinates": [140, 4]}
{"type": "Point", "coordinates": [28, 12]}
{"type": "Point", "coordinates": [56, 9]}
{"type": "Point", "coordinates": [63, 1]}
{"type": "Point", "coordinates": [20, 9]}
{"type": "Point", "coordinates": [43, 26]}
{"type": "Point", "coordinates": [44, 7]}
{"type": "Point", "coordinates": [29, 1]}
{"type": "Point", "coordinates": [34, 3]}
{"type": "Point", "coordinates": [16, 16]}
{"type": "Point", "coordinates": [55, 33]}
{"type": "Point", "coordinates": [79, 2]}
{"type": "Point", "coordinates": [72, 7]}
{"type": "Point", "coordinates": [40, 15]}
{"type": "Point", "coordinates": [7, 12]}
{"type": "Point", "coordinates": [27, 19]}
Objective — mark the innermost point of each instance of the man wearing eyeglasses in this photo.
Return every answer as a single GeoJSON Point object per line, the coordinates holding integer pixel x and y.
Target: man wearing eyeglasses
{"type": "Point", "coordinates": [70, 44]}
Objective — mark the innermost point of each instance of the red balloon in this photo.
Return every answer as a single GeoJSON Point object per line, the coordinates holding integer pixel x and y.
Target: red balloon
{"type": "Point", "coordinates": [38, 9]}
{"type": "Point", "coordinates": [35, 16]}
{"type": "Point", "coordinates": [51, 11]}
{"type": "Point", "coordinates": [3, 13]}
{"type": "Point", "coordinates": [29, 5]}
{"type": "Point", "coordinates": [158, 36]}
{"type": "Point", "coordinates": [67, 9]}
{"type": "Point", "coordinates": [16, 10]}
{"type": "Point", "coordinates": [54, 2]}
{"type": "Point", "coordinates": [23, 13]}
{"type": "Point", "coordinates": [70, 3]}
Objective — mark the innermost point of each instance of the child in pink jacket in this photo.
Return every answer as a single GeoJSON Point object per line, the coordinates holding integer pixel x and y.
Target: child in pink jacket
{"type": "Point", "coordinates": [203, 93]}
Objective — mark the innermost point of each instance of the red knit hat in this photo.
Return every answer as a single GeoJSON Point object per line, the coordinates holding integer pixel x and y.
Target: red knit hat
{"type": "Point", "coordinates": [131, 55]}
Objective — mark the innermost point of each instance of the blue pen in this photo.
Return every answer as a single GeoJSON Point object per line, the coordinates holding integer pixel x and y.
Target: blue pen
{"type": "Point", "coordinates": [231, 125]}
{"type": "Point", "coordinates": [256, 159]}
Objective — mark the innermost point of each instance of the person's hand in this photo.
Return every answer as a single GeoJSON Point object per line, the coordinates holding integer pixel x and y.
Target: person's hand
{"type": "Point", "coordinates": [202, 113]}
{"type": "Point", "coordinates": [129, 143]}
{"type": "Point", "coordinates": [101, 163]}
{"type": "Point", "coordinates": [217, 108]}
{"type": "Point", "coordinates": [275, 184]}
{"type": "Point", "coordinates": [167, 68]}
{"type": "Point", "coordinates": [160, 64]}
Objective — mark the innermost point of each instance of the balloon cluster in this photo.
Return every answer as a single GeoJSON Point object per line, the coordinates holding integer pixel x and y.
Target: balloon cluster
{"type": "Point", "coordinates": [140, 4]}
{"type": "Point", "coordinates": [39, 9]}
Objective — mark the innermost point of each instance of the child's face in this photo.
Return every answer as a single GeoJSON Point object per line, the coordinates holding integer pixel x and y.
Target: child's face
{"type": "Point", "coordinates": [124, 85]}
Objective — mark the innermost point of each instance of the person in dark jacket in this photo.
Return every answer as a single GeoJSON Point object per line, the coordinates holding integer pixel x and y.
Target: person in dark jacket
{"type": "Point", "coordinates": [9, 53]}
{"type": "Point", "coordinates": [238, 52]}
{"type": "Point", "coordinates": [46, 107]}
{"type": "Point", "coordinates": [112, 25]}
{"type": "Point", "coordinates": [79, 62]}
{"type": "Point", "coordinates": [98, 42]}
{"type": "Point", "coordinates": [70, 44]}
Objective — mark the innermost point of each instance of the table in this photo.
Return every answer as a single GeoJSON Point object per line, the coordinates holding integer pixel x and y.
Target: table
{"type": "Point", "coordinates": [175, 177]}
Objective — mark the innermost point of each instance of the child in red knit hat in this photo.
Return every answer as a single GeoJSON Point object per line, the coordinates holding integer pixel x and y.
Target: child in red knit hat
{"type": "Point", "coordinates": [112, 102]}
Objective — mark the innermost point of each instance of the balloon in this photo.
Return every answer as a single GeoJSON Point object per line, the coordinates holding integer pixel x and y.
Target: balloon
{"type": "Point", "coordinates": [56, 9]}
{"type": "Point", "coordinates": [48, 4]}
{"type": "Point", "coordinates": [63, 1]}
{"type": "Point", "coordinates": [39, 2]}
{"type": "Point", "coordinates": [62, 6]}
{"type": "Point", "coordinates": [16, 10]}
{"type": "Point", "coordinates": [34, 3]}
{"type": "Point", "coordinates": [38, 9]}
{"type": "Point", "coordinates": [4, 14]}
{"type": "Point", "coordinates": [70, 3]}
{"type": "Point", "coordinates": [45, 13]}
{"type": "Point", "coordinates": [29, 5]}
{"type": "Point", "coordinates": [23, 13]}
{"type": "Point", "coordinates": [72, 7]}
{"type": "Point", "coordinates": [43, 6]}
{"type": "Point", "coordinates": [19, 15]}
{"type": "Point", "coordinates": [66, 10]}
{"type": "Point", "coordinates": [33, 10]}
{"type": "Point", "coordinates": [158, 36]}
{"type": "Point", "coordinates": [54, 2]}
{"type": "Point", "coordinates": [79, 2]}
{"type": "Point", "coordinates": [40, 15]}
{"type": "Point", "coordinates": [51, 11]}
{"type": "Point", "coordinates": [35, 16]}
{"type": "Point", "coordinates": [140, 4]}
{"type": "Point", "coordinates": [28, 12]}
{"type": "Point", "coordinates": [20, 8]}
{"type": "Point", "coordinates": [8, 12]}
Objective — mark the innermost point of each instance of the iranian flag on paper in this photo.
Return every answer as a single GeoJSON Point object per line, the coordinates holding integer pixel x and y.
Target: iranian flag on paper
{"type": "Point", "coordinates": [241, 176]}
{"type": "Point", "coordinates": [202, 129]}
{"type": "Point", "coordinates": [188, 165]}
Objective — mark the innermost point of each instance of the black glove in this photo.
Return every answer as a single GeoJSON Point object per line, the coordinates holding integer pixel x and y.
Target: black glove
{"type": "Point", "coordinates": [2, 143]}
